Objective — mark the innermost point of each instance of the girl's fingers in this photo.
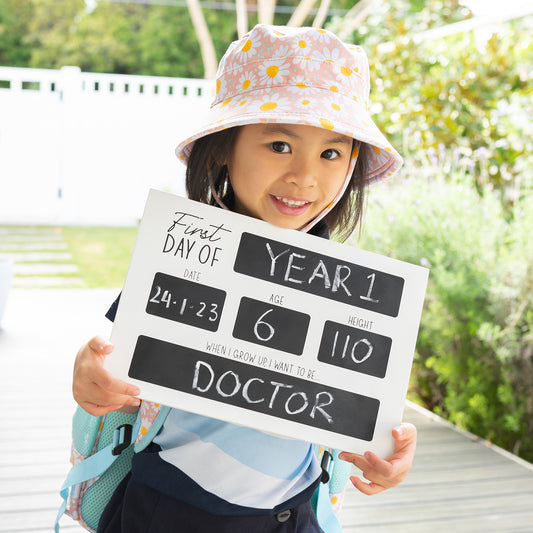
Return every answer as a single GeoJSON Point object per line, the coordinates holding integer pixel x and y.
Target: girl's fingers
{"type": "Point", "coordinates": [100, 346]}
{"type": "Point", "coordinates": [98, 410]}
{"type": "Point", "coordinates": [385, 473]}
{"type": "Point", "coordinates": [366, 488]}
{"type": "Point", "coordinates": [103, 379]}
{"type": "Point", "coordinates": [94, 388]}
{"type": "Point", "coordinates": [95, 394]}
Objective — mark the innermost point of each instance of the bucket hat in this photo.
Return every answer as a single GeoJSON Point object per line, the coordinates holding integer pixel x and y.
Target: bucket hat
{"type": "Point", "coordinates": [279, 74]}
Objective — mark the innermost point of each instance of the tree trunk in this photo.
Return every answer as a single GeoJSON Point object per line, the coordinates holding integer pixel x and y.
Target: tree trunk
{"type": "Point", "coordinates": [242, 17]}
{"type": "Point", "coordinates": [265, 11]}
{"type": "Point", "coordinates": [322, 14]}
{"type": "Point", "coordinates": [207, 48]}
{"type": "Point", "coordinates": [301, 11]}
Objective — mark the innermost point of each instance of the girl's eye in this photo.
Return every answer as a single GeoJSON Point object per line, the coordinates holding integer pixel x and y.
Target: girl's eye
{"type": "Point", "coordinates": [280, 147]}
{"type": "Point", "coordinates": [330, 154]}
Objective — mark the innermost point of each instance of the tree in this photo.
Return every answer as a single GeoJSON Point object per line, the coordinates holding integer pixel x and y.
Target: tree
{"type": "Point", "coordinates": [14, 19]}
{"type": "Point", "coordinates": [204, 38]}
{"type": "Point", "coordinates": [51, 30]}
{"type": "Point", "coordinates": [242, 17]}
{"type": "Point", "coordinates": [164, 51]}
{"type": "Point", "coordinates": [321, 14]}
{"type": "Point", "coordinates": [432, 91]}
{"type": "Point", "coordinates": [135, 38]}
{"type": "Point", "coordinates": [265, 11]}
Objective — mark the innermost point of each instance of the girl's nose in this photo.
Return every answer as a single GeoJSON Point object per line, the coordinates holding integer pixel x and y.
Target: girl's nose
{"type": "Point", "coordinates": [302, 173]}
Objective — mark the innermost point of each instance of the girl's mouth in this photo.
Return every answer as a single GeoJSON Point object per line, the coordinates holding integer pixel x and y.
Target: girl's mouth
{"type": "Point", "coordinates": [290, 206]}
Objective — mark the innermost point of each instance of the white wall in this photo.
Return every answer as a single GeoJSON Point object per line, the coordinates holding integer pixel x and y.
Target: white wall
{"type": "Point", "coordinates": [84, 148]}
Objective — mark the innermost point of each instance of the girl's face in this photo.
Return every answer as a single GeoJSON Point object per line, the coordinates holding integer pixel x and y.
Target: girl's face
{"type": "Point", "coordinates": [287, 174]}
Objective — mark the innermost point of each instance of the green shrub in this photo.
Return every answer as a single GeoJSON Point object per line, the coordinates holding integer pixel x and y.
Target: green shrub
{"type": "Point", "coordinates": [469, 91]}
{"type": "Point", "coordinates": [474, 362]}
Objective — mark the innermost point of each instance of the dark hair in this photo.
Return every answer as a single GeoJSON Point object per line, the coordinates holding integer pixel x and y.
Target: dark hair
{"type": "Point", "coordinates": [207, 158]}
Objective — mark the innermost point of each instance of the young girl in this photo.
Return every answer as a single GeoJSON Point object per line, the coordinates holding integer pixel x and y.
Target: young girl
{"type": "Point", "coordinates": [288, 141]}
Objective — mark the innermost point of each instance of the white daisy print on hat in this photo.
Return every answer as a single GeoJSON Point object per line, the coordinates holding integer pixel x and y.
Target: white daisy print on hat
{"type": "Point", "coordinates": [303, 61]}
{"type": "Point", "coordinates": [280, 53]}
{"type": "Point", "coordinates": [327, 54]}
{"type": "Point", "coordinates": [273, 72]}
{"type": "Point", "coordinates": [247, 81]}
{"type": "Point", "coordinates": [248, 50]}
{"type": "Point", "coordinates": [299, 84]}
{"type": "Point", "coordinates": [321, 36]}
{"type": "Point", "coordinates": [269, 102]}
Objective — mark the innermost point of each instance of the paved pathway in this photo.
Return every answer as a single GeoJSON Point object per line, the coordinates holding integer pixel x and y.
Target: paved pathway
{"type": "Point", "coordinates": [458, 484]}
{"type": "Point", "coordinates": [41, 257]}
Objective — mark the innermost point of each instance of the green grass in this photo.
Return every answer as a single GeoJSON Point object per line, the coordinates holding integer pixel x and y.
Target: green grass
{"type": "Point", "coordinates": [102, 254]}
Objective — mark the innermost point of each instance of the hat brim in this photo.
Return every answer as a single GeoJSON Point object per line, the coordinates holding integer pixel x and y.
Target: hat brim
{"type": "Point", "coordinates": [304, 108]}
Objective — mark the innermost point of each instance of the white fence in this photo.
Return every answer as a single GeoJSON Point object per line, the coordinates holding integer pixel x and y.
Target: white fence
{"type": "Point", "coordinates": [84, 148]}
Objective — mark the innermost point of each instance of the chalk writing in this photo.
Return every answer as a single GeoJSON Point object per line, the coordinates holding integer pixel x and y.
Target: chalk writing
{"type": "Point", "coordinates": [229, 384]}
{"type": "Point", "coordinates": [271, 325]}
{"type": "Point", "coordinates": [355, 349]}
{"type": "Point", "coordinates": [250, 387]}
{"type": "Point", "coordinates": [185, 301]}
{"type": "Point", "coordinates": [295, 264]}
{"type": "Point", "coordinates": [319, 274]}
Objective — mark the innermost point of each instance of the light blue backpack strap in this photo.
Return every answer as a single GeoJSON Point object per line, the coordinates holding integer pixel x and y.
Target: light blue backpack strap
{"type": "Point", "coordinates": [340, 474]}
{"type": "Point", "coordinates": [154, 429]}
{"type": "Point", "coordinates": [326, 517]}
{"type": "Point", "coordinates": [94, 465]}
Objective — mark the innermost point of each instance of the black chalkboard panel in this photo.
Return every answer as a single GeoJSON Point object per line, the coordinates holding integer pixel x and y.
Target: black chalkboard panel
{"type": "Point", "coordinates": [257, 389]}
{"type": "Point", "coordinates": [185, 301]}
{"type": "Point", "coordinates": [319, 274]}
{"type": "Point", "coordinates": [271, 325]}
{"type": "Point", "coordinates": [355, 349]}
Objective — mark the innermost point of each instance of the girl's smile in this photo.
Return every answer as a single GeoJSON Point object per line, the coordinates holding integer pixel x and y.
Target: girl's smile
{"type": "Point", "coordinates": [289, 206]}
{"type": "Point", "coordinates": [287, 174]}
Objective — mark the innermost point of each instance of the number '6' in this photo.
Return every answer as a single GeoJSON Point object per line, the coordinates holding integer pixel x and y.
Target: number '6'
{"type": "Point", "coordinates": [269, 327]}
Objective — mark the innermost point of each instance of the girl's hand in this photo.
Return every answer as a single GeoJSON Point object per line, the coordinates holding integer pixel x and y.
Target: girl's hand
{"type": "Point", "coordinates": [383, 474]}
{"type": "Point", "coordinates": [94, 388]}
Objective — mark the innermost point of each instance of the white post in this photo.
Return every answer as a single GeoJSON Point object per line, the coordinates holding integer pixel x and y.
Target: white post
{"type": "Point", "coordinates": [70, 87]}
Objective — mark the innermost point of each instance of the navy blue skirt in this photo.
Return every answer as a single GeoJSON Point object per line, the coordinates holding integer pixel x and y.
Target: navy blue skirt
{"type": "Point", "coordinates": [137, 508]}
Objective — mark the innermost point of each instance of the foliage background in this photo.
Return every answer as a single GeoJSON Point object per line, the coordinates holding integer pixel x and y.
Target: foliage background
{"type": "Point", "coordinates": [459, 109]}
{"type": "Point", "coordinates": [107, 36]}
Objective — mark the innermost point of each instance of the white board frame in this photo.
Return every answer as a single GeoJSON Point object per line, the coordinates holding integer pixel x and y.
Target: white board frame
{"type": "Point", "coordinates": [214, 267]}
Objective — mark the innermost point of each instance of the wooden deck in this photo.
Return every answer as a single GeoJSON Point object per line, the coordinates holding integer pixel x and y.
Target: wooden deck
{"type": "Point", "coordinates": [458, 484]}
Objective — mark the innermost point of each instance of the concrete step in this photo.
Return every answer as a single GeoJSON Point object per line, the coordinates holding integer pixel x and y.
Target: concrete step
{"type": "Point", "coordinates": [28, 230]}
{"type": "Point", "coordinates": [31, 246]}
{"type": "Point", "coordinates": [33, 257]}
{"type": "Point", "coordinates": [46, 281]}
{"type": "Point", "coordinates": [38, 269]}
{"type": "Point", "coordinates": [41, 257]}
{"type": "Point", "coordinates": [17, 237]}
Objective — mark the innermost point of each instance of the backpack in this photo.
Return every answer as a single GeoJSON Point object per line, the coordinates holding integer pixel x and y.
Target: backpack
{"type": "Point", "coordinates": [103, 447]}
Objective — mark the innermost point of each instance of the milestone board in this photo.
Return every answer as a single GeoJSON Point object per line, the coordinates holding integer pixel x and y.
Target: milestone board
{"type": "Point", "coordinates": [230, 317]}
